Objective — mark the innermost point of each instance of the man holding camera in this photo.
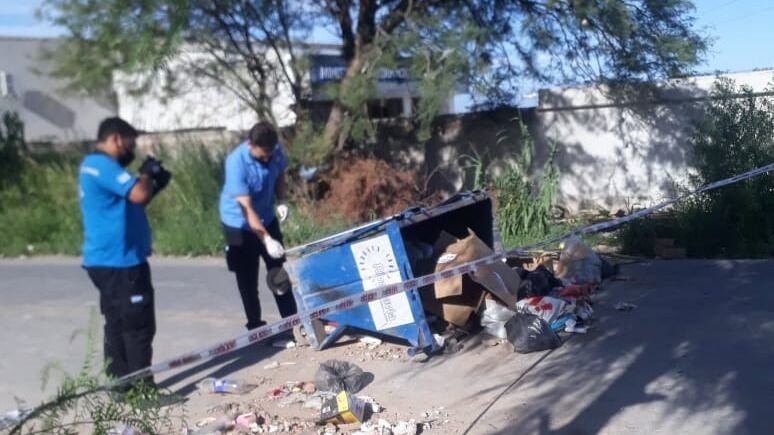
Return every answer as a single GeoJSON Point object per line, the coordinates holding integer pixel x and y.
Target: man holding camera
{"type": "Point", "coordinates": [117, 243]}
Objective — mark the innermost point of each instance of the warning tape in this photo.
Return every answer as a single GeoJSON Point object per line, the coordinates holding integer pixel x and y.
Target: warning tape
{"type": "Point", "coordinates": [346, 303]}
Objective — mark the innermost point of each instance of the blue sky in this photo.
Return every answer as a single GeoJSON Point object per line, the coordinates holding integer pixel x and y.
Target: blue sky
{"type": "Point", "coordinates": [742, 30]}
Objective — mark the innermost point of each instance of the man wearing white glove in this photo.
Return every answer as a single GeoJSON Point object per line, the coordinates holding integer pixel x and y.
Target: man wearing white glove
{"type": "Point", "coordinates": [254, 177]}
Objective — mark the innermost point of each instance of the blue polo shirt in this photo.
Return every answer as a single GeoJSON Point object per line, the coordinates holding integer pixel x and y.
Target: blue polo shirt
{"type": "Point", "coordinates": [248, 176]}
{"type": "Point", "coordinates": [115, 231]}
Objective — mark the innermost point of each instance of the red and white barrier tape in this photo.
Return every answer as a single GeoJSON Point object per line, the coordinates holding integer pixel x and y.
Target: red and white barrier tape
{"type": "Point", "coordinates": [349, 302]}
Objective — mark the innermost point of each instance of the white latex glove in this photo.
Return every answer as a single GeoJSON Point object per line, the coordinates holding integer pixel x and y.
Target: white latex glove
{"type": "Point", "coordinates": [283, 211]}
{"type": "Point", "coordinates": [273, 247]}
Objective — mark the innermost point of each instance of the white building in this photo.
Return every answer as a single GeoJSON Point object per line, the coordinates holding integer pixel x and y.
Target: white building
{"type": "Point", "coordinates": [200, 103]}
{"type": "Point", "coordinates": [49, 114]}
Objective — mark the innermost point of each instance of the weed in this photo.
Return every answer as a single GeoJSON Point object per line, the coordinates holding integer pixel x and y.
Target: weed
{"type": "Point", "coordinates": [82, 403]}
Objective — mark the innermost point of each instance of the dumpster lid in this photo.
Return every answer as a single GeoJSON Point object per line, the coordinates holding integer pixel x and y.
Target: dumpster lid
{"type": "Point", "coordinates": [407, 217]}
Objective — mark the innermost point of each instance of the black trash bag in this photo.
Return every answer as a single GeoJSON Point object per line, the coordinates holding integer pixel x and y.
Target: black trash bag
{"type": "Point", "coordinates": [541, 280]}
{"type": "Point", "coordinates": [529, 333]}
{"type": "Point", "coordinates": [609, 270]}
{"type": "Point", "coordinates": [336, 376]}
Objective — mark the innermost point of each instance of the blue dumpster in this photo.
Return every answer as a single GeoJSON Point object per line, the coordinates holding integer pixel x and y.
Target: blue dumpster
{"type": "Point", "coordinates": [383, 252]}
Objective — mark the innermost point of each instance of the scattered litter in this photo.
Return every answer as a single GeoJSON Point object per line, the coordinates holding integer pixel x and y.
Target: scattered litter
{"type": "Point", "coordinates": [578, 264]}
{"type": "Point", "coordinates": [272, 365]}
{"type": "Point", "coordinates": [625, 306]}
{"type": "Point", "coordinates": [547, 308]}
{"type": "Point", "coordinates": [13, 417]}
{"type": "Point", "coordinates": [492, 342]}
{"type": "Point", "coordinates": [529, 333]}
{"type": "Point", "coordinates": [494, 317]}
{"type": "Point", "coordinates": [205, 421]}
{"type": "Point", "coordinates": [577, 291]}
{"type": "Point", "coordinates": [371, 342]}
{"type": "Point", "coordinates": [308, 387]}
{"type": "Point", "coordinates": [362, 352]}
{"type": "Point", "coordinates": [540, 282]}
{"type": "Point", "coordinates": [246, 420]}
{"type": "Point", "coordinates": [405, 428]}
{"type": "Point", "coordinates": [214, 427]}
{"type": "Point", "coordinates": [381, 427]}
{"type": "Point", "coordinates": [284, 344]}
{"type": "Point", "coordinates": [336, 375]}
{"type": "Point", "coordinates": [384, 427]}
{"type": "Point", "coordinates": [224, 385]}
{"type": "Point", "coordinates": [343, 409]}
{"type": "Point", "coordinates": [558, 324]}
{"type": "Point", "coordinates": [375, 407]}
{"type": "Point", "coordinates": [249, 418]}
{"type": "Point", "coordinates": [315, 401]}
{"type": "Point", "coordinates": [571, 325]}
{"type": "Point", "coordinates": [292, 399]}
{"type": "Point", "coordinates": [277, 393]}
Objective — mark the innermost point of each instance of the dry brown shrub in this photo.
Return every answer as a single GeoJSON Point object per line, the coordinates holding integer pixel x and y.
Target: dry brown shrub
{"type": "Point", "coordinates": [366, 188]}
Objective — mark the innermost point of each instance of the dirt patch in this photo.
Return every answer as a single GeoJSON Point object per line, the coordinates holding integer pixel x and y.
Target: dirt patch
{"type": "Point", "coordinates": [365, 189]}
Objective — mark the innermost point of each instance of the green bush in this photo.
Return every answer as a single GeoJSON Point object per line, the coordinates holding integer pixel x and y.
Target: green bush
{"type": "Point", "coordinates": [39, 211]}
{"type": "Point", "coordinates": [184, 217]}
{"type": "Point", "coordinates": [524, 205]}
{"type": "Point", "coordinates": [735, 135]}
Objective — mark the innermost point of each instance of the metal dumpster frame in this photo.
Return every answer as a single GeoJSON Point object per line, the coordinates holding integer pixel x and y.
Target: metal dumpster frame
{"type": "Point", "coordinates": [375, 254]}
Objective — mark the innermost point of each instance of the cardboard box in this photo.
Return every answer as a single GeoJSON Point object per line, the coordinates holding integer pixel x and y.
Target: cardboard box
{"type": "Point", "coordinates": [665, 248]}
{"type": "Point", "coordinates": [458, 297]}
{"type": "Point", "coordinates": [343, 409]}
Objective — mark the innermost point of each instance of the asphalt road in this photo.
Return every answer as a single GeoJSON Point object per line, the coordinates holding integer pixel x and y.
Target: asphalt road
{"type": "Point", "coordinates": [694, 357]}
{"type": "Point", "coordinates": [47, 303]}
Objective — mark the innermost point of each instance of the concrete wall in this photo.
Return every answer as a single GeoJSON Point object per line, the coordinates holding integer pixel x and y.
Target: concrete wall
{"type": "Point", "coordinates": [195, 103]}
{"type": "Point", "coordinates": [616, 150]}
{"type": "Point", "coordinates": [619, 149]}
{"type": "Point", "coordinates": [49, 114]}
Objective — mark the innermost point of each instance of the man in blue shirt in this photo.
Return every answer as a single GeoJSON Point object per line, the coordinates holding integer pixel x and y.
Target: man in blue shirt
{"type": "Point", "coordinates": [117, 242]}
{"type": "Point", "coordinates": [254, 176]}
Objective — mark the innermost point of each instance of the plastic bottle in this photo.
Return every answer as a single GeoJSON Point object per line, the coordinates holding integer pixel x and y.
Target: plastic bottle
{"type": "Point", "coordinates": [233, 386]}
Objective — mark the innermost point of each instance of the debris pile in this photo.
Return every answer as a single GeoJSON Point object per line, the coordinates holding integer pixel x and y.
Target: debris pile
{"type": "Point", "coordinates": [236, 418]}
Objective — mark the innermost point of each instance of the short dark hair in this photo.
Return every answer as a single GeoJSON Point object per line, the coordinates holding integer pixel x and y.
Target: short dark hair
{"type": "Point", "coordinates": [115, 125]}
{"type": "Point", "coordinates": [263, 135]}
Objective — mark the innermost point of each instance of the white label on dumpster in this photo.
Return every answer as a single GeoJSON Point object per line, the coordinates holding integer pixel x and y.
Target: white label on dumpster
{"type": "Point", "coordinates": [377, 266]}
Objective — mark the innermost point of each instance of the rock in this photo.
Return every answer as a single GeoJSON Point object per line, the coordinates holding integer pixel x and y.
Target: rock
{"type": "Point", "coordinates": [625, 306]}
{"type": "Point", "coordinates": [205, 421]}
{"type": "Point", "coordinates": [272, 365]}
{"type": "Point", "coordinates": [308, 387]}
{"type": "Point", "coordinates": [405, 428]}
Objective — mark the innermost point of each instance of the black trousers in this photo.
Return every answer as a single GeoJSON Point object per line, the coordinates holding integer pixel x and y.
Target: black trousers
{"type": "Point", "coordinates": [243, 248]}
{"type": "Point", "coordinates": [126, 302]}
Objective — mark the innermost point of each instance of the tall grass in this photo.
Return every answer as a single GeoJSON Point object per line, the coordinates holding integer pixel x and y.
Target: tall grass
{"type": "Point", "coordinates": [524, 203]}
{"type": "Point", "coordinates": [40, 214]}
{"type": "Point", "coordinates": [184, 218]}
{"type": "Point", "coordinates": [39, 209]}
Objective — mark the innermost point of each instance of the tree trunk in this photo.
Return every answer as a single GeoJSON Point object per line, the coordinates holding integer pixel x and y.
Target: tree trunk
{"type": "Point", "coordinates": [333, 135]}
